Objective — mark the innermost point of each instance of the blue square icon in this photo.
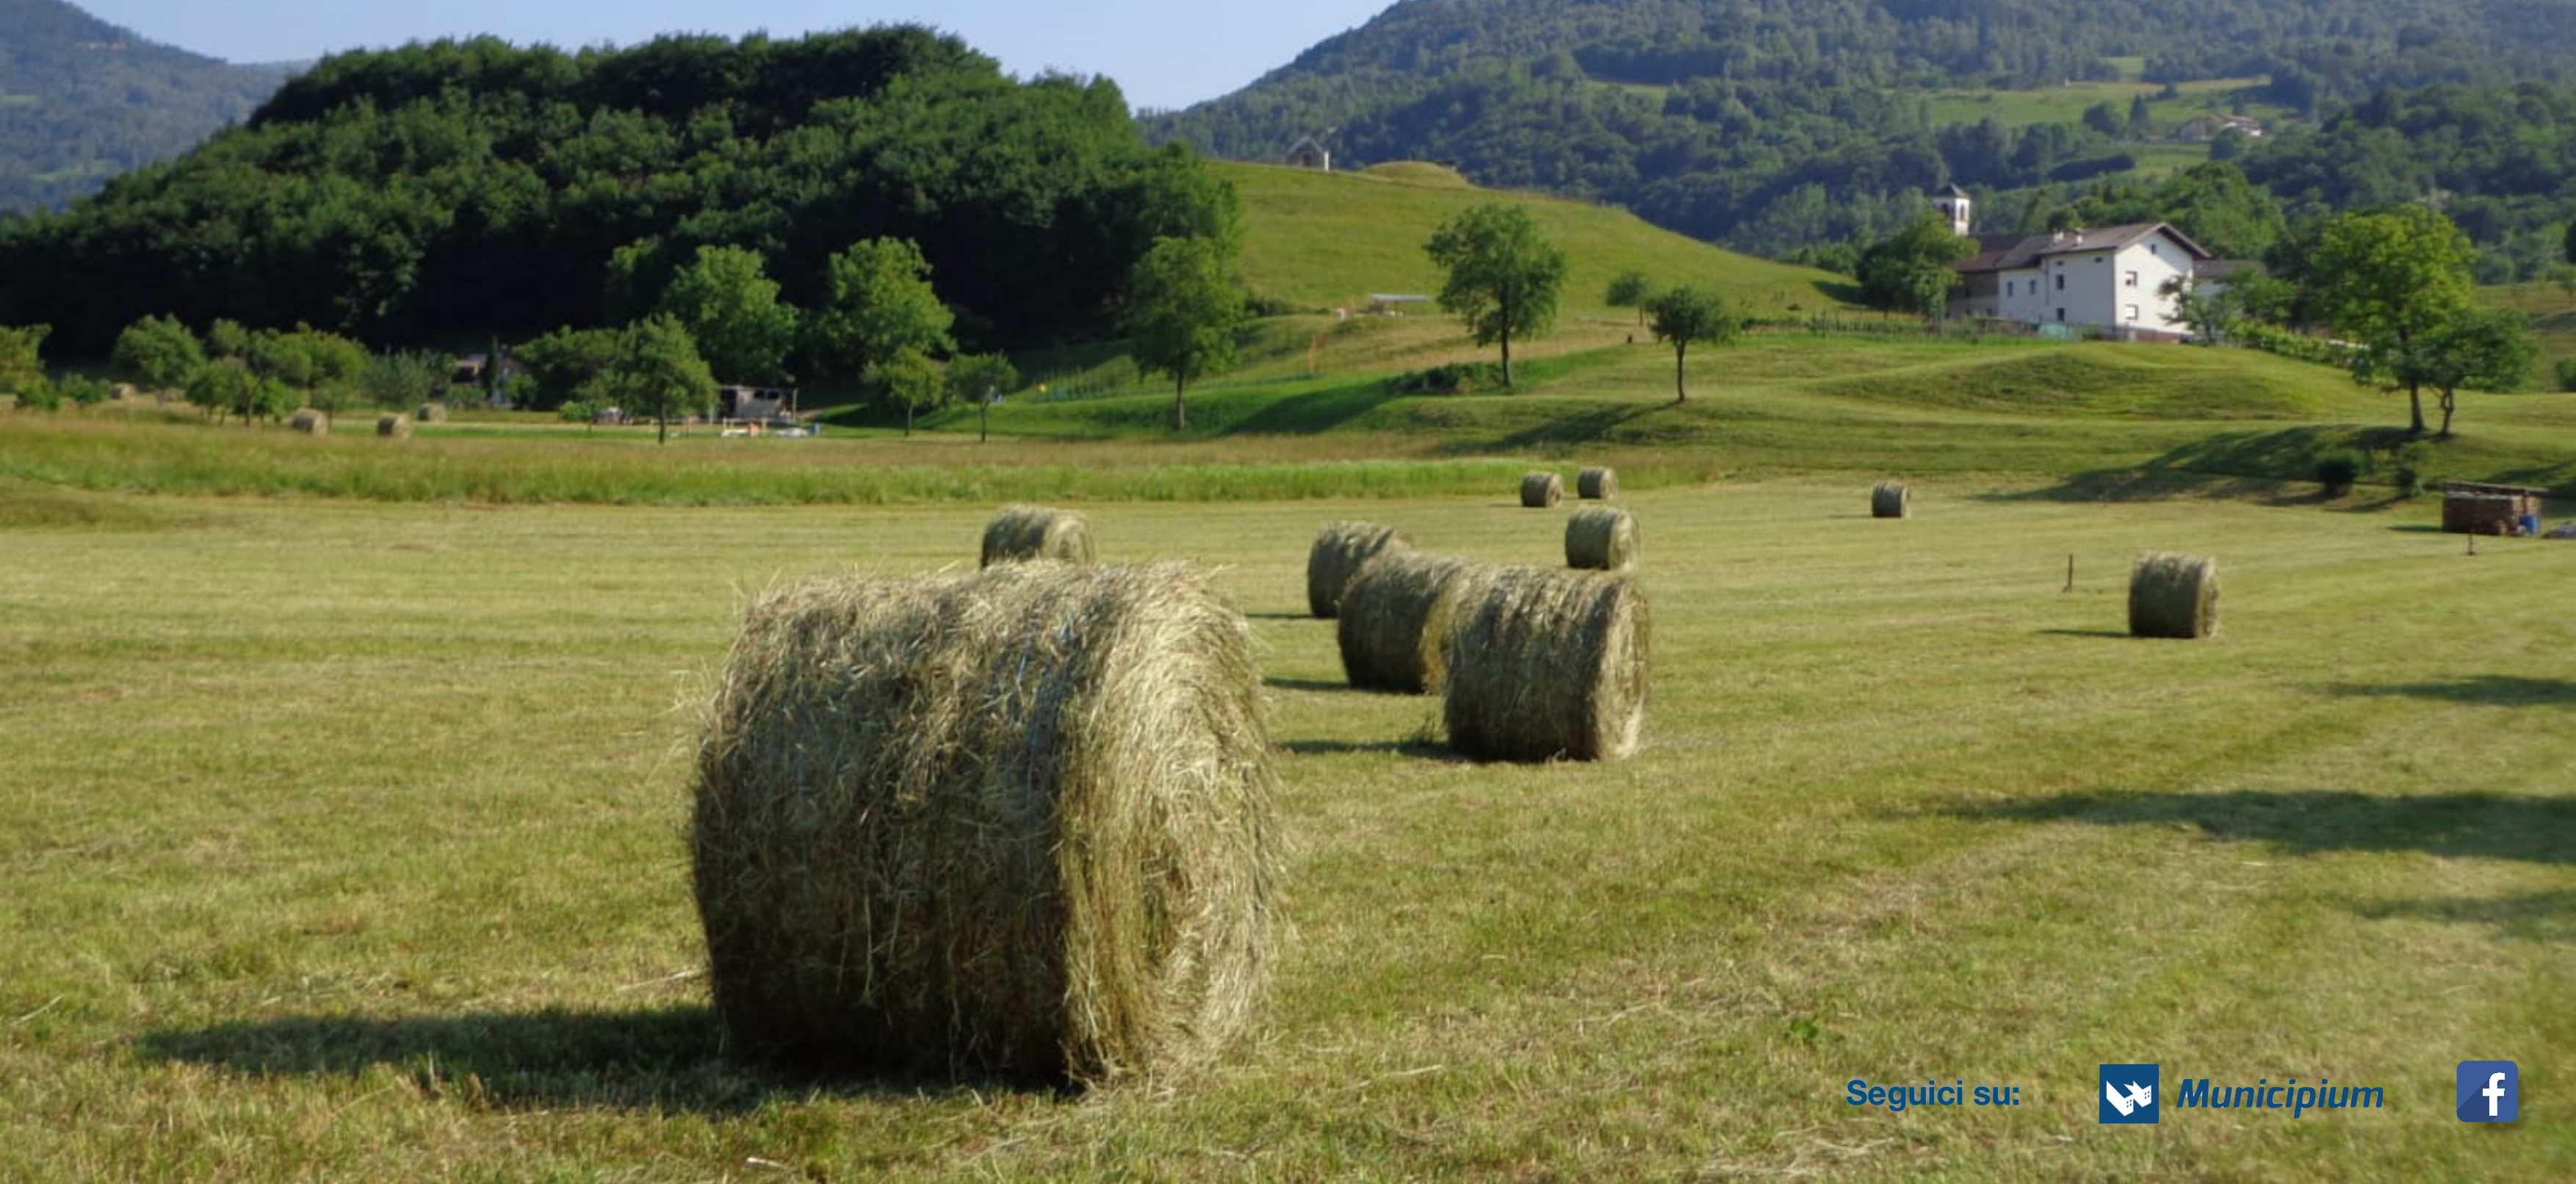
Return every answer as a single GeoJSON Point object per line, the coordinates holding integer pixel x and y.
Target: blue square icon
{"type": "Point", "coordinates": [2490, 1091]}
{"type": "Point", "coordinates": [2129, 1093]}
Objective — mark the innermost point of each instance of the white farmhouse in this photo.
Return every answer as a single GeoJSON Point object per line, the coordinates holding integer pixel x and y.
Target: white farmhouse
{"type": "Point", "coordinates": [2108, 278]}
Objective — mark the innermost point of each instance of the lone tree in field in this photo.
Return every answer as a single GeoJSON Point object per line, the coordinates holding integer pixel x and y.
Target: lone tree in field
{"type": "Point", "coordinates": [979, 379]}
{"type": "Point", "coordinates": [1183, 309]}
{"type": "Point", "coordinates": [656, 371]}
{"type": "Point", "coordinates": [1686, 314]}
{"type": "Point", "coordinates": [2488, 349]}
{"type": "Point", "coordinates": [1910, 271]}
{"type": "Point", "coordinates": [2390, 279]}
{"type": "Point", "coordinates": [1503, 275]}
{"type": "Point", "coordinates": [912, 381]}
{"type": "Point", "coordinates": [159, 353]}
{"type": "Point", "coordinates": [1629, 289]}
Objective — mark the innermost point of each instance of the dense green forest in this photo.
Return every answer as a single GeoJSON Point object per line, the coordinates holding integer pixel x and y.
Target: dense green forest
{"type": "Point", "coordinates": [457, 190]}
{"type": "Point", "coordinates": [82, 100]}
{"type": "Point", "coordinates": [1770, 125]}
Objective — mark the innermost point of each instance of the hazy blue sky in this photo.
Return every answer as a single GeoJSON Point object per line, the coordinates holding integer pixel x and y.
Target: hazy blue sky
{"type": "Point", "coordinates": [1163, 53]}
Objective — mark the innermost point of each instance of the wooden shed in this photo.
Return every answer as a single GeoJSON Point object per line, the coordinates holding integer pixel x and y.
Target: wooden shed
{"type": "Point", "coordinates": [2472, 508]}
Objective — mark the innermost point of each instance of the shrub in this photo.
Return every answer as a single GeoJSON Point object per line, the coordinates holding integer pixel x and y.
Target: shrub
{"type": "Point", "coordinates": [2567, 374]}
{"type": "Point", "coordinates": [2410, 461]}
{"type": "Point", "coordinates": [1455, 378]}
{"type": "Point", "coordinates": [2337, 470]}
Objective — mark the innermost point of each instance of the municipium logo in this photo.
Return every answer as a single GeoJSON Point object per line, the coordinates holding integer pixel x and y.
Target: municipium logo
{"type": "Point", "coordinates": [2129, 1093]}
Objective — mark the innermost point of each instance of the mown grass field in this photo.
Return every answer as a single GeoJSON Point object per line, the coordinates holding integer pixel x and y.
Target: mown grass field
{"type": "Point", "coordinates": [344, 842]}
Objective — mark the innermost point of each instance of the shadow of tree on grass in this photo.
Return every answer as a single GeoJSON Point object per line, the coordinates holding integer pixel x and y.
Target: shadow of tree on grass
{"type": "Point", "coordinates": [2308, 822]}
{"type": "Point", "coordinates": [2493, 690]}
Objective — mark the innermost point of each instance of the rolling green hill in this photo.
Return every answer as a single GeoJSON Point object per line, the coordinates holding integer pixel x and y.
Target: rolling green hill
{"type": "Point", "coordinates": [1331, 240]}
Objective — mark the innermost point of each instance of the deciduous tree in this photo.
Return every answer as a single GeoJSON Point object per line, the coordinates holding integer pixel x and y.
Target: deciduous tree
{"type": "Point", "coordinates": [880, 304]}
{"type": "Point", "coordinates": [158, 353]}
{"type": "Point", "coordinates": [656, 371]}
{"type": "Point", "coordinates": [2387, 279]}
{"type": "Point", "coordinates": [1690, 314]}
{"type": "Point", "coordinates": [910, 380]}
{"type": "Point", "coordinates": [22, 367]}
{"type": "Point", "coordinates": [979, 379]}
{"type": "Point", "coordinates": [1503, 275]}
{"type": "Point", "coordinates": [730, 307]}
{"type": "Point", "coordinates": [1910, 271]}
{"type": "Point", "coordinates": [2488, 349]}
{"type": "Point", "coordinates": [1183, 310]}
{"type": "Point", "coordinates": [1629, 289]}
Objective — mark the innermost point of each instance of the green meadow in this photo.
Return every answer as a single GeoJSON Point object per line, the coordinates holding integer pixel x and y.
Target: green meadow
{"type": "Point", "coordinates": [345, 841]}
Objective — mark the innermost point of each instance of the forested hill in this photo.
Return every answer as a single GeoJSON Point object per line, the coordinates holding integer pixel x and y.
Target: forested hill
{"type": "Point", "coordinates": [1768, 124]}
{"type": "Point", "coordinates": [82, 100]}
{"type": "Point", "coordinates": [458, 189]}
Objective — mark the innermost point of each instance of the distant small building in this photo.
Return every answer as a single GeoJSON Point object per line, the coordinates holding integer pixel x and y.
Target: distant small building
{"type": "Point", "coordinates": [1310, 153]}
{"type": "Point", "coordinates": [469, 370]}
{"type": "Point", "coordinates": [755, 404]}
{"type": "Point", "coordinates": [2210, 127]}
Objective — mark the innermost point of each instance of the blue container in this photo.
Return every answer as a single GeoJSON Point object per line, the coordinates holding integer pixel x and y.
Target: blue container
{"type": "Point", "coordinates": [2531, 526]}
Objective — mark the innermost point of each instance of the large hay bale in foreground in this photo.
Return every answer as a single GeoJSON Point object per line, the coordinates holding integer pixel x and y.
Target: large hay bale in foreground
{"type": "Point", "coordinates": [2173, 596]}
{"type": "Point", "coordinates": [1601, 538]}
{"type": "Point", "coordinates": [1014, 822]}
{"type": "Point", "coordinates": [1541, 491]}
{"type": "Point", "coordinates": [1597, 484]}
{"type": "Point", "coordinates": [1394, 614]}
{"type": "Point", "coordinates": [1340, 550]}
{"type": "Point", "coordinates": [1890, 499]}
{"type": "Point", "coordinates": [310, 422]}
{"type": "Point", "coordinates": [1547, 664]}
{"type": "Point", "coordinates": [1036, 532]}
{"type": "Point", "coordinates": [393, 426]}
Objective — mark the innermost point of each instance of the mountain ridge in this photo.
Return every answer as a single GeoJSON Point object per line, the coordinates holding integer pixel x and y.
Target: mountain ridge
{"type": "Point", "coordinates": [82, 100]}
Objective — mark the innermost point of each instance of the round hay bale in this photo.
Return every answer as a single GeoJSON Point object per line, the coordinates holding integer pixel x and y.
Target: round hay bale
{"type": "Point", "coordinates": [1340, 550]}
{"type": "Point", "coordinates": [310, 422]}
{"type": "Point", "coordinates": [1547, 664]}
{"type": "Point", "coordinates": [433, 413]}
{"type": "Point", "coordinates": [1394, 614]}
{"type": "Point", "coordinates": [393, 426]}
{"type": "Point", "coordinates": [1541, 491]}
{"type": "Point", "coordinates": [1597, 484]}
{"type": "Point", "coordinates": [1601, 538]}
{"type": "Point", "coordinates": [2173, 596]}
{"type": "Point", "coordinates": [1889, 499]}
{"type": "Point", "coordinates": [1014, 822]}
{"type": "Point", "coordinates": [1036, 532]}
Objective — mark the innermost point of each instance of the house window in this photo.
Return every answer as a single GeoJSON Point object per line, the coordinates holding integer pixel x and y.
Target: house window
{"type": "Point", "coordinates": [2129, 280]}
{"type": "Point", "coordinates": [2008, 287]}
{"type": "Point", "coordinates": [2061, 314]}
{"type": "Point", "coordinates": [2129, 312]}
{"type": "Point", "coordinates": [2156, 249]}
{"type": "Point", "coordinates": [2061, 285]}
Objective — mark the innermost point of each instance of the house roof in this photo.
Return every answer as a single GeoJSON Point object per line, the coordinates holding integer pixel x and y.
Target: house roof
{"type": "Point", "coordinates": [1951, 190]}
{"type": "Point", "coordinates": [2012, 252]}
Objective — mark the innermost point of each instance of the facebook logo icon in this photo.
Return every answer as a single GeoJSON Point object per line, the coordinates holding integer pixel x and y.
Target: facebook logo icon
{"type": "Point", "coordinates": [2490, 1091]}
{"type": "Point", "coordinates": [2129, 1093]}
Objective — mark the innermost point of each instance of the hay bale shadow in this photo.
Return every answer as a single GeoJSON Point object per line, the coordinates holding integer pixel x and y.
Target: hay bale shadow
{"type": "Point", "coordinates": [1420, 749]}
{"type": "Point", "coordinates": [660, 1059]}
{"type": "Point", "coordinates": [1321, 685]}
{"type": "Point", "coordinates": [2530, 916]}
